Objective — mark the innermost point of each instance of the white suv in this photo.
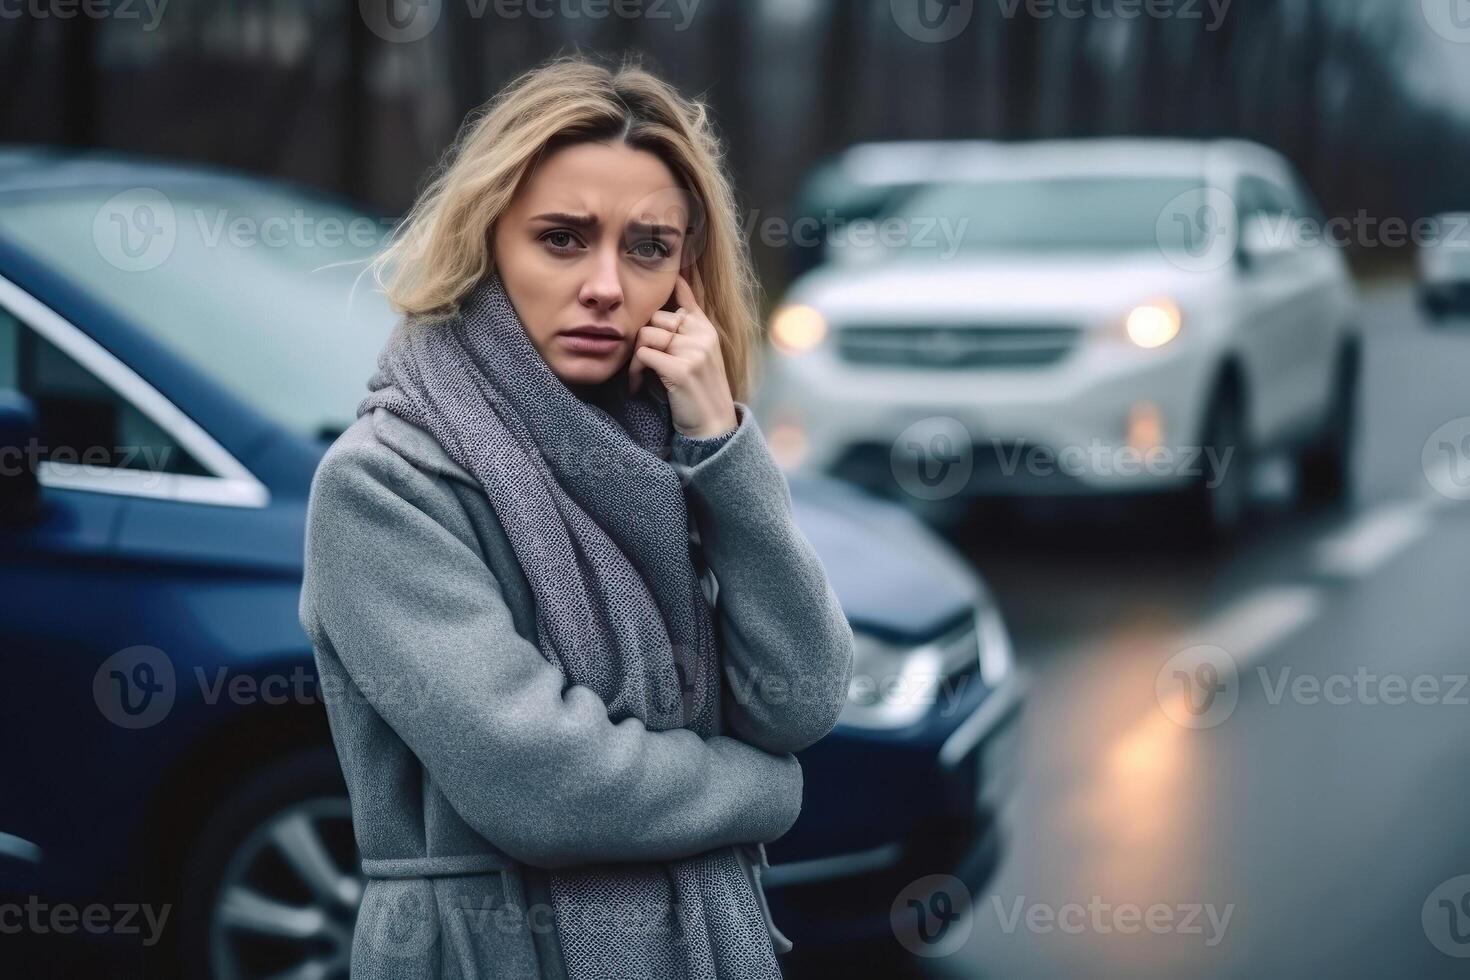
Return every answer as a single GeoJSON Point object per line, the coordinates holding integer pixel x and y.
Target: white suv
{"type": "Point", "coordinates": [1089, 316]}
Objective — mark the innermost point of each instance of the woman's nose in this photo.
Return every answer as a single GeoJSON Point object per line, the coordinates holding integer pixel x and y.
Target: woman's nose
{"type": "Point", "coordinates": [603, 290]}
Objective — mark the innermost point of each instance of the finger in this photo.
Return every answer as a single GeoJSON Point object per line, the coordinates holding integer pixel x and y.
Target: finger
{"type": "Point", "coordinates": [668, 367]}
{"type": "Point", "coordinates": [656, 337]}
{"type": "Point", "coordinates": [684, 293]}
{"type": "Point", "coordinates": [635, 375]}
{"type": "Point", "coordinates": [672, 322]}
{"type": "Point", "coordinates": [696, 326]}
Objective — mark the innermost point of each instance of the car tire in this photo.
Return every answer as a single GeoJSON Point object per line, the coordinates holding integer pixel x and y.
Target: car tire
{"type": "Point", "coordinates": [272, 881]}
{"type": "Point", "coordinates": [1324, 469]}
{"type": "Point", "coordinates": [1216, 505]}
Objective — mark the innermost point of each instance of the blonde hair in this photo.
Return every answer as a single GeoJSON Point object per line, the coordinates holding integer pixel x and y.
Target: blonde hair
{"type": "Point", "coordinates": [441, 249]}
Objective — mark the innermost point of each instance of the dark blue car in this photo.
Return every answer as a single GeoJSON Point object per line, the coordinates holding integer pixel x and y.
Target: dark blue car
{"type": "Point", "coordinates": [178, 346]}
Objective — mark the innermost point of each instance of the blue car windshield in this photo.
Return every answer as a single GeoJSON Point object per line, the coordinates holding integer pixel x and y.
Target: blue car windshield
{"type": "Point", "coordinates": [261, 289]}
{"type": "Point", "coordinates": [1051, 214]}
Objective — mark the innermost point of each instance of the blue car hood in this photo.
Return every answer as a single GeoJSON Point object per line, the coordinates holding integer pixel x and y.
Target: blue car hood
{"type": "Point", "coordinates": [894, 577]}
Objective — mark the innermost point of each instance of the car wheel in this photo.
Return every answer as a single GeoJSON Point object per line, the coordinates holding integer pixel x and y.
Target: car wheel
{"type": "Point", "coordinates": [1217, 503]}
{"type": "Point", "coordinates": [272, 884]}
{"type": "Point", "coordinates": [1324, 469]}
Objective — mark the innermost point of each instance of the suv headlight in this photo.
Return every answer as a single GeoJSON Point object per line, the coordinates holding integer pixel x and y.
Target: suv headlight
{"type": "Point", "coordinates": [894, 686]}
{"type": "Point", "coordinates": [797, 328]}
{"type": "Point", "coordinates": [1153, 324]}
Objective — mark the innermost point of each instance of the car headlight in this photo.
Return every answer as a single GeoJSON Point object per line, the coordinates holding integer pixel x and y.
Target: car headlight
{"type": "Point", "coordinates": [894, 686]}
{"type": "Point", "coordinates": [796, 328]}
{"type": "Point", "coordinates": [1153, 324]}
{"type": "Point", "coordinates": [997, 657]}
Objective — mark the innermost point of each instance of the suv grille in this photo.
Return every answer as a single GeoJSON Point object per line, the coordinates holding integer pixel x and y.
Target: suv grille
{"type": "Point", "coordinates": [959, 346]}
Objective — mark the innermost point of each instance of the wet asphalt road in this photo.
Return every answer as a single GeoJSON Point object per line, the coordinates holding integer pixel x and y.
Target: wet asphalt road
{"type": "Point", "coordinates": [1308, 830]}
{"type": "Point", "coordinates": [1294, 837]}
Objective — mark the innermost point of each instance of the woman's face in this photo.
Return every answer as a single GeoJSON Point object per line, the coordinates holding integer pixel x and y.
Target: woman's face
{"type": "Point", "coordinates": [588, 251]}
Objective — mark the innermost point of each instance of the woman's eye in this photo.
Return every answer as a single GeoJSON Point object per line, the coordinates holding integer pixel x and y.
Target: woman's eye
{"type": "Point", "coordinates": [652, 249]}
{"type": "Point", "coordinates": [561, 241]}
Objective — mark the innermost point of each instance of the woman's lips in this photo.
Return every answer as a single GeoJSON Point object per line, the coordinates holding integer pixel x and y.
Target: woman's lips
{"type": "Point", "coordinates": [599, 344]}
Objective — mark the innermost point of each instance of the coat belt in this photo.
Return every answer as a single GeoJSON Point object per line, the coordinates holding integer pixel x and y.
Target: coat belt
{"type": "Point", "coordinates": [435, 867]}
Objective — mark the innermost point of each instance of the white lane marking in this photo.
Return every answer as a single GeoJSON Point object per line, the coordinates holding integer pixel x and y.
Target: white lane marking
{"type": "Point", "coordinates": [1371, 540]}
{"type": "Point", "coordinates": [1258, 622]}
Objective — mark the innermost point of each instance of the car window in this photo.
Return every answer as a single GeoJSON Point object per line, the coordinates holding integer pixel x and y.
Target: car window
{"type": "Point", "coordinates": [1253, 199]}
{"type": "Point", "coordinates": [1281, 201]}
{"type": "Point", "coordinates": [1073, 214]}
{"type": "Point", "coordinates": [1261, 196]}
{"type": "Point", "coordinates": [82, 419]}
{"type": "Point", "coordinates": [260, 289]}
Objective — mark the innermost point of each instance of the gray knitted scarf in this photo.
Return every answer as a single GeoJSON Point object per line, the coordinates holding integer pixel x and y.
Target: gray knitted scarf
{"type": "Point", "coordinates": [597, 518]}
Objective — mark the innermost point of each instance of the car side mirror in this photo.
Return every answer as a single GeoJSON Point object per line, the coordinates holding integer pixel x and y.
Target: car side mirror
{"type": "Point", "coordinates": [1262, 241]}
{"type": "Point", "coordinates": [20, 429]}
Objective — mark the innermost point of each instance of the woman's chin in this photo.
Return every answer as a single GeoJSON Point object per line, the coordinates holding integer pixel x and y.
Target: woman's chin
{"type": "Point", "coordinates": [585, 370]}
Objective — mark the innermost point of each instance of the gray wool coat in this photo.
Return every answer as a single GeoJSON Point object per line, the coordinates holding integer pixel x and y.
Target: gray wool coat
{"type": "Point", "coordinates": [473, 767]}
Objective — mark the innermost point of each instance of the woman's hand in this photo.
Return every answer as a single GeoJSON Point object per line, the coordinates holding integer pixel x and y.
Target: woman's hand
{"type": "Point", "coordinates": [683, 349]}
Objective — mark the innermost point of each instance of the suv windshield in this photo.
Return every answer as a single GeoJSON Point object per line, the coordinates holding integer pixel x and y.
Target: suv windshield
{"type": "Point", "coordinates": [242, 281]}
{"type": "Point", "coordinates": [1062, 214]}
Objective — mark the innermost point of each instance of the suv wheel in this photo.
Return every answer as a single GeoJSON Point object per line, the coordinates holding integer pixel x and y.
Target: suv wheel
{"type": "Point", "coordinates": [272, 886]}
{"type": "Point", "coordinates": [1218, 503]}
{"type": "Point", "coordinates": [1324, 469]}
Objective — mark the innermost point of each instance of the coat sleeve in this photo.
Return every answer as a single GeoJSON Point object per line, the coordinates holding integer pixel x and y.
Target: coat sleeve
{"type": "Point", "coordinates": [532, 764]}
{"type": "Point", "coordinates": [787, 646]}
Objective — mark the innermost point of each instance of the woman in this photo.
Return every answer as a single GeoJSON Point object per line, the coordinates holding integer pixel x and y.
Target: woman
{"type": "Point", "coordinates": [568, 634]}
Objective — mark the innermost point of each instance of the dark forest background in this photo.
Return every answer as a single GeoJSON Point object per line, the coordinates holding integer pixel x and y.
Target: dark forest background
{"type": "Point", "coordinates": [308, 90]}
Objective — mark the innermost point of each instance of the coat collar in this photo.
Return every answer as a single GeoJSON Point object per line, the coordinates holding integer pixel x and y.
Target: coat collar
{"type": "Point", "coordinates": [417, 446]}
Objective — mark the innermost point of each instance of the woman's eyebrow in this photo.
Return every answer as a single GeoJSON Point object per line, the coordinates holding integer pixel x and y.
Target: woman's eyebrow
{"type": "Point", "coordinates": [642, 227]}
{"type": "Point", "coordinates": [590, 221]}
{"type": "Point", "coordinates": [567, 218]}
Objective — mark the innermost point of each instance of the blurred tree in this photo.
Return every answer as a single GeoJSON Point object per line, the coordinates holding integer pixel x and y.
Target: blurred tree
{"type": "Point", "coordinates": [313, 93]}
